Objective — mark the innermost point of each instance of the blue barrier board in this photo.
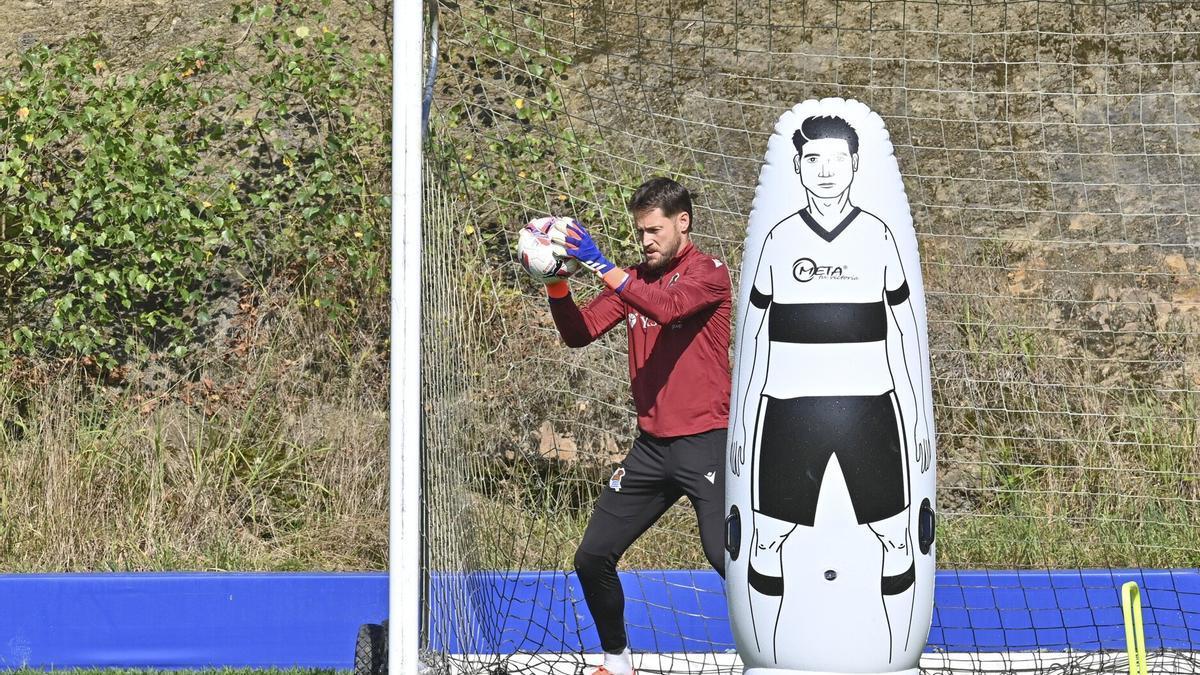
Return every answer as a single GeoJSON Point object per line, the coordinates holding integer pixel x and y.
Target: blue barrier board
{"type": "Point", "coordinates": [185, 620]}
{"type": "Point", "coordinates": [196, 620]}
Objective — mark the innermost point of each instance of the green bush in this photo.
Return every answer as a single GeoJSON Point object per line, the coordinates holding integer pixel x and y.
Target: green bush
{"type": "Point", "coordinates": [318, 185]}
{"type": "Point", "coordinates": [128, 203]}
{"type": "Point", "coordinates": [111, 222]}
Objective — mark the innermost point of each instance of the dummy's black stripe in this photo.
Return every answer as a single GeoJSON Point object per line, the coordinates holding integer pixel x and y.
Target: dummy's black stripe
{"type": "Point", "coordinates": [765, 584]}
{"type": "Point", "coordinates": [821, 232]}
{"type": "Point", "coordinates": [899, 295]}
{"type": "Point", "coordinates": [828, 322]}
{"type": "Point", "coordinates": [759, 300]}
{"type": "Point", "coordinates": [901, 582]}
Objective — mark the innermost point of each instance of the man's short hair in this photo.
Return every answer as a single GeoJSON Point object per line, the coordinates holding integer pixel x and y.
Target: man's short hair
{"type": "Point", "coordinates": [825, 126]}
{"type": "Point", "coordinates": [662, 193]}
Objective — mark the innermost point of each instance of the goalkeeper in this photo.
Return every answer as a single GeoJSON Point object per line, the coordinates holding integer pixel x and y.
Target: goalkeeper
{"type": "Point", "coordinates": [675, 306]}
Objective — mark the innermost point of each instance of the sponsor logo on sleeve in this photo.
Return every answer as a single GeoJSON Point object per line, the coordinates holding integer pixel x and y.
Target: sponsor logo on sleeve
{"type": "Point", "coordinates": [634, 318]}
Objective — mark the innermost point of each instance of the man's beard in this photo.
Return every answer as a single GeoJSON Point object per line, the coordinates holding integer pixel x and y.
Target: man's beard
{"type": "Point", "coordinates": [664, 259]}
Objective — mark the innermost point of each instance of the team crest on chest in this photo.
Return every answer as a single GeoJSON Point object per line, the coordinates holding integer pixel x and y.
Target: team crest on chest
{"type": "Point", "coordinates": [614, 483]}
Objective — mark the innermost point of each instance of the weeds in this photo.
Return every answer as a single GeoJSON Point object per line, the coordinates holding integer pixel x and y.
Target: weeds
{"type": "Point", "coordinates": [261, 446]}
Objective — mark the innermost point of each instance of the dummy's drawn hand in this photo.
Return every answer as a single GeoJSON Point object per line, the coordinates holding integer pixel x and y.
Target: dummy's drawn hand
{"type": "Point", "coordinates": [737, 454]}
{"type": "Point", "coordinates": [924, 454]}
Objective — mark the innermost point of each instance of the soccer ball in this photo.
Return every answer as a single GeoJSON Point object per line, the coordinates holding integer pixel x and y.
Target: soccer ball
{"type": "Point", "coordinates": [536, 253]}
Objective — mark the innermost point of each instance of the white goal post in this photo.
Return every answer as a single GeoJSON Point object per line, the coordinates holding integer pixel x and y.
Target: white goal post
{"type": "Point", "coordinates": [404, 437]}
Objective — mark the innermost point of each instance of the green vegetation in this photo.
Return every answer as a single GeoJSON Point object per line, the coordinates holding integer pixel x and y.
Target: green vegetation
{"type": "Point", "coordinates": [512, 150]}
{"type": "Point", "coordinates": [193, 252]}
{"type": "Point", "coordinates": [107, 229]}
{"type": "Point", "coordinates": [130, 202]}
{"type": "Point", "coordinates": [193, 359]}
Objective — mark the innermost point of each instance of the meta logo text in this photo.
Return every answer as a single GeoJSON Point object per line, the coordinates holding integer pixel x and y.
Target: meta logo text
{"type": "Point", "coordinates": [807, 269]}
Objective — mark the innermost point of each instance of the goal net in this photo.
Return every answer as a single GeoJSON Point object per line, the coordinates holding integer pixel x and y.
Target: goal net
{"type": "Point", "coordinates": [1051, 156]}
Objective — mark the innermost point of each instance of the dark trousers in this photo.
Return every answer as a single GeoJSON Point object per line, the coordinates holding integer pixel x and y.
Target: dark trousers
{"type": "Point", "coordinates": [654, 475]}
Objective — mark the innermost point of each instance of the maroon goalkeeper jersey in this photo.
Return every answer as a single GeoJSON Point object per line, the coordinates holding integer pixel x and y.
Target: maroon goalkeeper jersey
{"type": "Point", "coordinates": [678, 326]}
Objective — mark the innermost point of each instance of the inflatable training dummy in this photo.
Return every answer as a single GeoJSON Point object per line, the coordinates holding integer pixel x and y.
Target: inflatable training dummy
{"type": "Point", "coordinates": [830, 483]}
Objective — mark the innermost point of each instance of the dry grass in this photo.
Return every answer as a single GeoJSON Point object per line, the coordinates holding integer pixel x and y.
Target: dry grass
{"type": "Point", "coordinates": [272, 461]}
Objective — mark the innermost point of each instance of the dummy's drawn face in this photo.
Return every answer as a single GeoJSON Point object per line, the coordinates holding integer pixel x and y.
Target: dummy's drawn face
{"type": "Point", "coordinates": [826, 167]}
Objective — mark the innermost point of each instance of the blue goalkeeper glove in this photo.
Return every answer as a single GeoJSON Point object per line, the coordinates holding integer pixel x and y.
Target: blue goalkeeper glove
{"type": "Point", "coordinates": [580, 245]}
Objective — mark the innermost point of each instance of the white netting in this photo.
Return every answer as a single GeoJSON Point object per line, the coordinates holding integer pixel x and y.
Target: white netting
{"type": "Point", "coordinates": [1051, 155]}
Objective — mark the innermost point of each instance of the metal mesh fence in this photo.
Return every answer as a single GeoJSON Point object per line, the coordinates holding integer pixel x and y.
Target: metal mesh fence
{"type": "Point", "coordinates": [1051, 155]}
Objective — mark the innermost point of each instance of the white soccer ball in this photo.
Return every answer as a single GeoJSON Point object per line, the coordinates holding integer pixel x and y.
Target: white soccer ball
{"type": "Point", "coordinates": [537, 254]}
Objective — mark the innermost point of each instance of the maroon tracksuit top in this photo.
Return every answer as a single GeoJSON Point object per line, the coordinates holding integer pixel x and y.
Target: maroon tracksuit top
{"type": "Point", "coordinates": [677, 321]}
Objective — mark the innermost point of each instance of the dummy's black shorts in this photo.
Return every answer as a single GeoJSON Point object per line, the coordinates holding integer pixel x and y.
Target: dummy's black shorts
{"type": "Point", "coordinates": [796, 437]}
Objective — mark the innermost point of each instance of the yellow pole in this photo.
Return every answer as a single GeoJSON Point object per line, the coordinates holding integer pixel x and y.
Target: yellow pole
{"type": "Point", "coordinates": [1135, 634]}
